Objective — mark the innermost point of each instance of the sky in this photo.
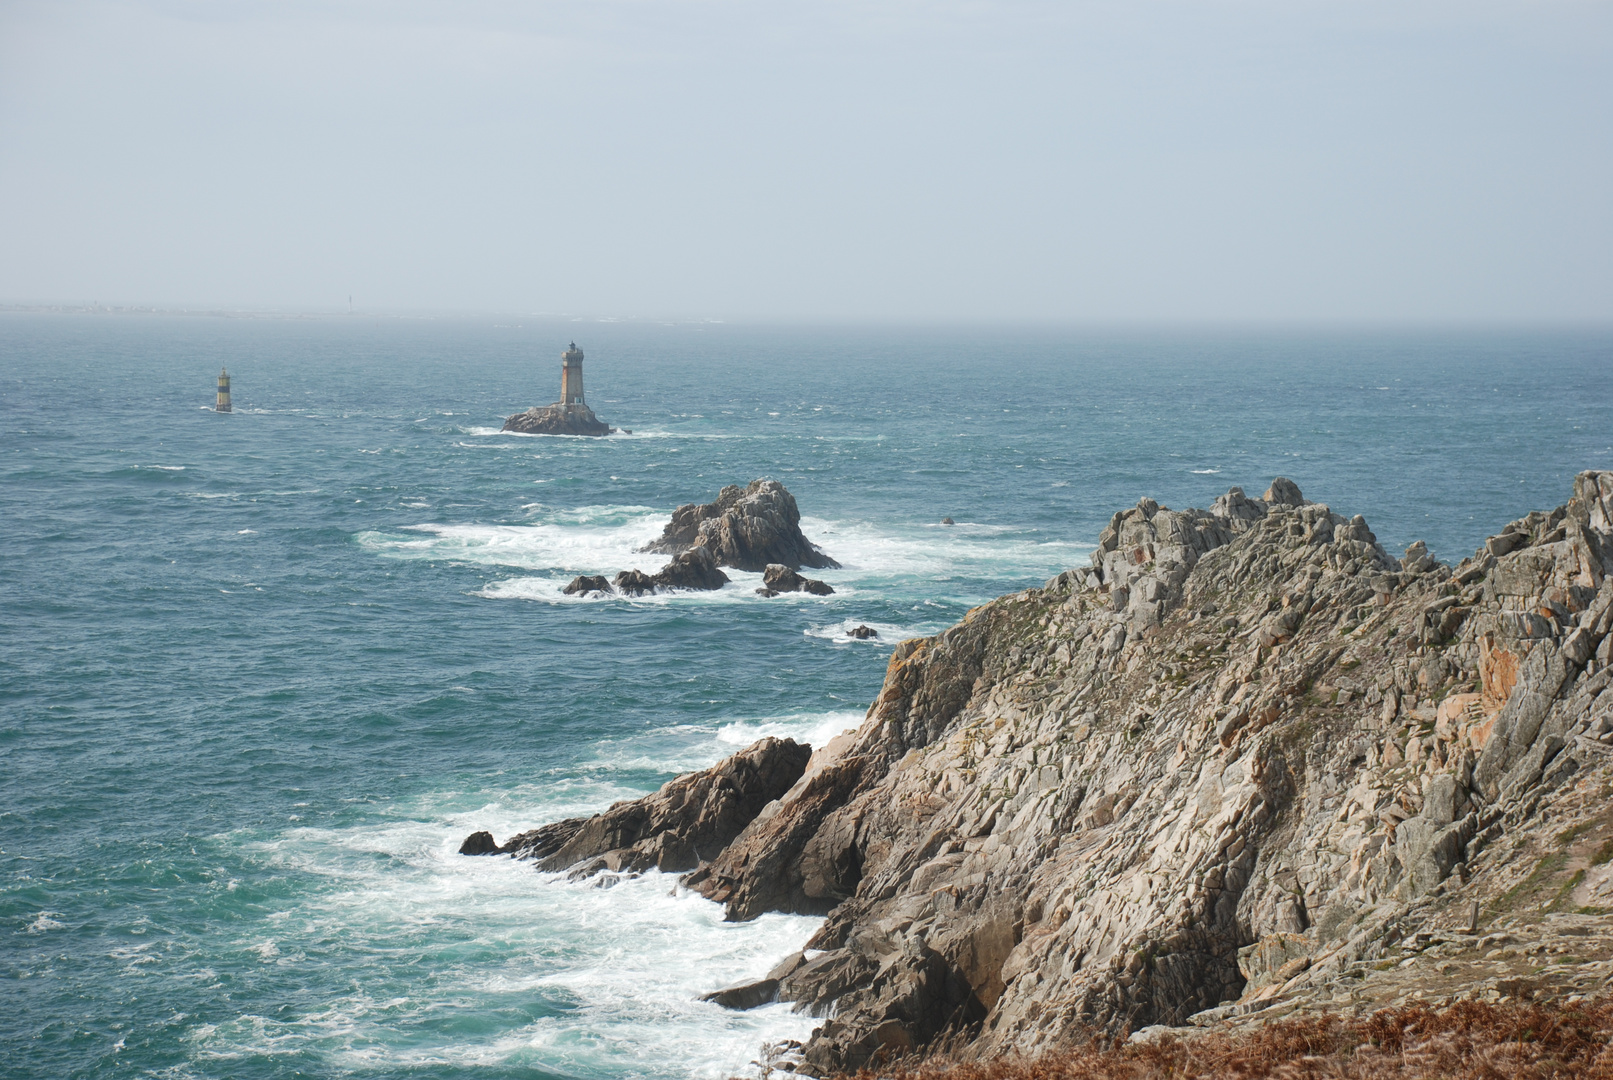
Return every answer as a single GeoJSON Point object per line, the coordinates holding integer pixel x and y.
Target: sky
{"type": "Point", "coordinates": [946, 160]}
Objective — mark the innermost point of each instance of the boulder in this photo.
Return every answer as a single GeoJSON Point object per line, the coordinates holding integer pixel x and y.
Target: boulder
{"type": "Point", "coordinates": [745, 528]}
{"type": "Point", "coordinates": [1284, 492]}
{"type": "Point", "coordinates": [479, 843]}
{"type": "Point", "coordinates": [863, 633]}
{"type": "Point", "coordinates": [948, 521]}
{"type": "Point", "coordinates": [634, 583]}
{"type": "Point", "coordinates": [694, 569]}
{"type": "Point", "coordinates": [1417, 560]}
{"type": "Point", "coordinates": [746, 995]}
{"type": "Point", "coordinates": [778, 578]}
{"type": "Point", "coordinates": [587, 584]}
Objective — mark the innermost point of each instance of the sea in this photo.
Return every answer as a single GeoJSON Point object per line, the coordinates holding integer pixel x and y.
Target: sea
{"type": "Point", "coordinates": [261, 673]}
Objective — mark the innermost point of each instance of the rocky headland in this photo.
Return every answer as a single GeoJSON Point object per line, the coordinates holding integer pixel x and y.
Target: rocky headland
{"type": "Point", "coordinates": [760, 521]}
{"type": "Point", "coordinates": [1245, 765]}
{"type": "Point", "coordinates": [573, 419]}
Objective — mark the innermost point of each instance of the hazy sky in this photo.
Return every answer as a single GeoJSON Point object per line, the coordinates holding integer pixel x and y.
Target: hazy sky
{"type": "Point", "coordinates": [753, 159]}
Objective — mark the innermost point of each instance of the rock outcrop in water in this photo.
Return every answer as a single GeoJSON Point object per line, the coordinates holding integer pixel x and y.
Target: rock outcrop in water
{"type": "Point", "coordinates": [694, 569]}
{"type": "Point", "coordinates": [778, 578]}
{"type": "Point", "coordinates": [688, 820]}
{"type": "Point", "coordinates": [745, 528]}
{"type": "Point", "coordinates": [573, 419]}
{"type": "Point", "coordinates": [1246, 763]}
{"type": "Point", "coordinates": [586, 584]}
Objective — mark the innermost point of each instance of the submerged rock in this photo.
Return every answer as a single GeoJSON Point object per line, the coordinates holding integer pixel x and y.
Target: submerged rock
{"type": "Point", "coordinates": [634, 583]}
{"type": "Point", "coordinates": [778, 578]}
{"type": "Point", "coordinates": [587, 584]}
{"type": "Point", "coordinates": [694, 569]}
{"type": "Point", "coordinates": [745, 528]}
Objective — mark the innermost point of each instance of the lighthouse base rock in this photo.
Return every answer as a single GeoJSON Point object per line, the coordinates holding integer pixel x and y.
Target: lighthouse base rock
{"type": "Point", "coordinates": [1246, 763]}
{"type": "Point", "coordinates": [573, 419]}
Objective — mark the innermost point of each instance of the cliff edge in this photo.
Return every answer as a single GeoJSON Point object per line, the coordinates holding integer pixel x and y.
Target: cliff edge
{"type": "Point", "coordinates": [1247, 763]}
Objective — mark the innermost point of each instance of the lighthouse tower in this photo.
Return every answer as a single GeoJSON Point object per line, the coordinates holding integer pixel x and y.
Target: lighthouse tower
{"type": "Point", "coordinates": [223, 390]}
{"type": "Point", "coordinates": [571, 376]}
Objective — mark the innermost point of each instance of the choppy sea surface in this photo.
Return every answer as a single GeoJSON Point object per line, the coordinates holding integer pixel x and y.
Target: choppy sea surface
{"type": "Point", "coordinates": [261, 673]}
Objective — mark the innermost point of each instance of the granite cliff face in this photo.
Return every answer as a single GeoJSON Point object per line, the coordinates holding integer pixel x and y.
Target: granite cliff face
{"type": "Point", "coordinates": [1246, 762]}
{"type": "Point", "coordinates": [745, 528]}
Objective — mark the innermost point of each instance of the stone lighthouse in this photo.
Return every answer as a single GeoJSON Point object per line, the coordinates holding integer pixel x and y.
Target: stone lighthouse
{"type": "Point", "coordinates": [568, 416]}
{"type": "Point", "coordinates": [571, 376]}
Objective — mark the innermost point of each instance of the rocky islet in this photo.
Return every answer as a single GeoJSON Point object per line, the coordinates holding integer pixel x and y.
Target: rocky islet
{"type": "Point", "coordinates": [743, 525]}
{"type": "Point", "coordinates": [1366, 779]}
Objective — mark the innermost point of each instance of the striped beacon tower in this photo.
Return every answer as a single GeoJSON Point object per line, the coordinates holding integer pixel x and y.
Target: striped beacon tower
{"type": "Point", "coordinates": [223, 390]}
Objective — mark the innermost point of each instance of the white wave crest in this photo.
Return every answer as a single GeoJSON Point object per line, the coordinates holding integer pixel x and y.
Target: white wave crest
{"type": "Point", "coordinates": [595, 978]}
{"type": "Point", "coordinates": [592, 539]}
{"type": "Point", "coordinates": [814, 729]}
{"type": "Point", "coordinates": [940, 550]}
{"type": "Point", "coordinates": [889, 633]}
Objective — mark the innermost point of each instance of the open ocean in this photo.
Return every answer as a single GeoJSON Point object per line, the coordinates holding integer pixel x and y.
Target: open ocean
{"type": "Point", "coordinates": [261, 673]}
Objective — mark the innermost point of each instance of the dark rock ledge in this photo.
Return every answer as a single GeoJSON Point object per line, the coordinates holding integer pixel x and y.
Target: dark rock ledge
{"type": "Point", "coordinates": [689, 820]}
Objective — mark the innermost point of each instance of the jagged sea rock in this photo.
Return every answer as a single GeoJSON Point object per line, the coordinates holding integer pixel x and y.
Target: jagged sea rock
{"type": "Point", "coordinates": [573, 419]}
{"type": "Point", "coordinates": [745, 528]}
{"type": "Point", "coordinates": [1086, 805]}
{"type": "Point", "coordinates": [634, 583]}
{"type": "Point", "coordinates": [778, 578]}
{"type": "Point", "coordinates": [690, 819]}
{"type": "Point", "coordinates": [585, 583]}
{"type": "Point", "coordinates": [479, 843]}
{"type": "Point", "coordinates": [694, 569]}
{"type": "Point", "coordinates": [863, 633]}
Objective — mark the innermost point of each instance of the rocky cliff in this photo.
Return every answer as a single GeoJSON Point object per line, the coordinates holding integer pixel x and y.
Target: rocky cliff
{"type": "Point", "coordinates": [745, 528]}
{"type": "Point", "coordinates": [1245, 763]}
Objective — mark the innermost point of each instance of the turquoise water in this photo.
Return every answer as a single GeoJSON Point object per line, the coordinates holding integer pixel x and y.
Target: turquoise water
{"type": "Point", "coordinates": [262, 672]}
